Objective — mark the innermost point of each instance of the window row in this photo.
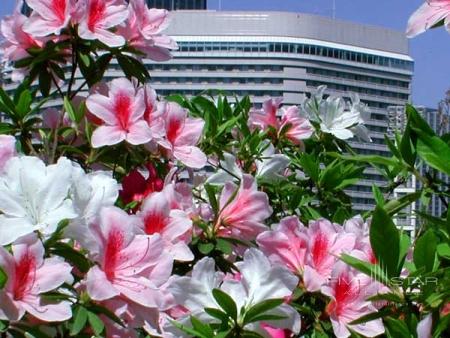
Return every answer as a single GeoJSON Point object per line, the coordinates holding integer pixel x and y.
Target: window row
{"type": "Point", "coordinates": [357, 77]}
{"type": "Point", "coordinates": [215, 80]}
{"type": "Point", "coordinates": [293, 48]}
{"type": "Point", "coordinates": [260, 93]}
{"type": "Point", "coordinates": [360, 90]}
{"type": "Point", "coordinates": [214, 68]}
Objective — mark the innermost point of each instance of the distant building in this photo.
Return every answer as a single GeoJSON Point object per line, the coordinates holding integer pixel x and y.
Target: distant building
{"type": "Point", "coordinates": [280, 54]}
{"type": "Point", "coordinates": [439, 120]}
{"type": "Point", "coordinates": [271, 54]}
{"type": "Point", "coordinates": [173, 5]}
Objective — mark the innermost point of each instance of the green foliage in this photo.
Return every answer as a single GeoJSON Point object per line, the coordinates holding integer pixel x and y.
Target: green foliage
{"type": "Point", "coordinates": [3, 278]}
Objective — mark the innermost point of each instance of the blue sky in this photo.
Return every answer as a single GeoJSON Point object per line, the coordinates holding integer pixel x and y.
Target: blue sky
{"type": "Point", "coordinates": [431, 51]}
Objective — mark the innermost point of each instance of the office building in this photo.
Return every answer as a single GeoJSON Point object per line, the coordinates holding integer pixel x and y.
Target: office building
{"type": "Point", "coordinates": [277, 54]}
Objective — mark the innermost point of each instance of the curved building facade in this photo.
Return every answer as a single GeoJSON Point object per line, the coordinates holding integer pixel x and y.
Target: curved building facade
{"type": "Point", "coordinates": [267, 54]}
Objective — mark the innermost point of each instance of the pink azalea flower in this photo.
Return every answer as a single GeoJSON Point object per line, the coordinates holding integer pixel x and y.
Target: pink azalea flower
{"type": "Point", "coordinates": [360, 229]}
{"type": "Point", "coordinates": [267, 117]}
{"type": "Point", "coordinates": [133, 315]}
{"type": "Point", "coordinates": [326, 242]}
{"type": "Point", "coordinates": [348, 292]}
{"type": "Point", "coordinates": [48, 16]}
{"type": "Point", "coordinates": [17, 41]}
{"type": "Point", "coordinates": [276, 332]}
{"type": "Point", "coordinates": [154, 114]}
{"type": "Point", "coordinates": [173, 225]}
{"type": "Point", "coordinates": [286, 244]}
{"type": "Point", "coordinates": [30, 275]}
{"type": "Point", "coordinates": [7, 149]}
{"type": "Point", "coordinates": [182, 135]}
{"type": "Point", "coordinates": [130, 265]}
{"type": "Point", "coordinates": [429, 14]}
{"type": "Point", "coordinates": [98, 17]}
{"type": "Point", "coordinates": [122, 111]}
{"type": "Point", "coordinates": [143, 31]}
{"type": "Point", "coordinates": [242, 214]}
{"type": "Point", "coordinates": [292, 126]}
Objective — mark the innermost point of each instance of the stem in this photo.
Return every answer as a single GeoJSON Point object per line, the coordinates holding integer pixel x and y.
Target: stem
{"type": "Point", "coordinates": [57, 86]}
{"type": "Point", "coordinates": [78, 90]}
{"type": "Point", "coordinates": [74, 68]}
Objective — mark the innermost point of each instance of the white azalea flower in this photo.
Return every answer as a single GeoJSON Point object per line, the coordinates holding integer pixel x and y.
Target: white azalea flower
{"type": "Point", "coordinates": [259, 281]}
{"type": "Point", "coordinates": [360, 129]}
{"type": "Point", "coordinates": [269, 167]}
{"type": "Point", "coordinates": [229, 172]}
{"type": "Point", "coordinates": [335, 116]}
{"type": "Point", "coordinates": [34, 197]}
{"type": "Point", "coordinates": [90, 193]}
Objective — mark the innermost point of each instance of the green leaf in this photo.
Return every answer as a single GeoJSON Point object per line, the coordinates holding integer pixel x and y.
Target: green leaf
{"type": "Point", "coordinates": [23, 106]}
{"type": "Point", "coordinates": [417, 122]}
{"type": "Point", "coordinates": [435, 152]}
{"type": "Point", "coordinates": [211, 192]}
{"type": "Point", "coordinates": [224, 246]}
{"type": "Point", "coordinates": [397, 328]}
{"type": "Point", "coordinates": [98, 309]}
{"type": "Point", "coordinates": [205, 248]}
{"type": "Point", "coordinates": [218, 314]}
{"type": "Point", "coordinates": [58, 71]}
{"type": "Point", "coordinates": [226, 303]}
{"type": "Point", "coordinates": [133, 68]}
{"type": "Point", "coordinates": [425, 251]}
{"type": "Point", "coordinates": [79, 320]}
{"type": "Point", "coordinates": [266, 317]}
{"type": "Point", "coordinates": [392, 147]}
{"type": "Point", "coordinates": [204, 329]}
{"type": "Point", "coordinates": [261, 308]}
{"type": "Point", "coordinates": [6, 128]}
{"type": "Point", "coordinates": [406, 147]}
{"type": "Point", "coordinates": [394, 206]}
{"type": "Point", "coordinates": [442, 326]}
{"type": "Point", "coordinates": [378, 195]}
{"type": "Point", "coordinates": [385, 241]}
{"type": "Point", "coordinates": [3, 278]}
{"type": "Point", "coordinates": [371, 270]}
{"type": "Point", "coordinates": [390, 297]}
{"type": "Point", "coordinates": [71, 255]}
{"type": "Point", "coordinates": [310, 166]}
{"type": "Point", "coordinates": [3, 326]}
{"type": "Point", "coordinates": [405, 244]}
{"type": "Point", "coordinates": [7, 105]}
{"type": "Point", "coordinates": [227, 125]}
{"type": "Point", "coordinates": [443, 250]}
{"type": "Point", "coordinates": [70, 110]}
{"type": "Point", "coordinates": [96, 323]}
{"type": "Point", "coordinates": [371, 316]}
{"type": "Point", "coordinates": [190, 331]}
{"type": "Point", "coordinates": [372, 159]}
{"type": "Point", "coordinates": [45, 82]}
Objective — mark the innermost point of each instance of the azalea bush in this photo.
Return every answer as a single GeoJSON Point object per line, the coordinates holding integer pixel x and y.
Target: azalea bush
{"type": "Point", "coordinates": [125, 214]}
